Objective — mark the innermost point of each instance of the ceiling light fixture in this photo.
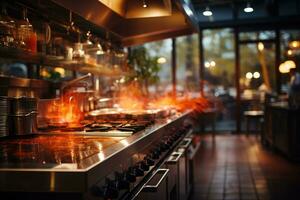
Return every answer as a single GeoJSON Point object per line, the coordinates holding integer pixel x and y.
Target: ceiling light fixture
{"type": "Point", "coordinates": [248, 8]}
{"type": "Point", "coordinates": [207, 12]}
{"type": "Point", "coordinates": [145, 4]}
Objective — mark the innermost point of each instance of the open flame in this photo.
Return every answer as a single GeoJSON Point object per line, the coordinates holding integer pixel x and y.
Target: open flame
{"type": "Point", "coordinates": [181, 104]}
{"type": "Point", "coordinates": [132, 98]}
{"type": "Point", "coordinates": [65, 110]}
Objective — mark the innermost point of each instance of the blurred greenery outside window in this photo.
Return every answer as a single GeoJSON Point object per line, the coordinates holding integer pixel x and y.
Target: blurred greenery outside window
{"type": "Point", "coordinates": [219, 61]}
{"type": "Point", "coordinates": [187, 58]}
{"type": "Point", "coordinates": [258, 63]}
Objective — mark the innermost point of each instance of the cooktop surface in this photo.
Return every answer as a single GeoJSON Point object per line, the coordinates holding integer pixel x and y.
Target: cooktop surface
{"type": "Point", "coordinates": [50, 151]}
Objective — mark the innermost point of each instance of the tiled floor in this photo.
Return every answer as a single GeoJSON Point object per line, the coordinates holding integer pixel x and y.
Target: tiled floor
{"type": "Point", "coordinates": [237, 167]}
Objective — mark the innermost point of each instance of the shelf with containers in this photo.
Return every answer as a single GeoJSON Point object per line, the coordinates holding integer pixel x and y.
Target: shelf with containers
{"type": "Point", "coordinates": [9, 54]}
{"type": "Point", "coordinates": [42, 38]}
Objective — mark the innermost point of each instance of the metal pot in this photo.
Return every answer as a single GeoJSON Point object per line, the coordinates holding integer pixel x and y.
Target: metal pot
{"type": "Point", "coordinates": [4, 110]}
{"type": "Point", "coordinates": [22, 105]}
{"type": "Point", "coordinates": [24, 124]}
{"type": "Point", "coordinates": [104, 103]}
{"type": "Point", "coordinates": [3, 125]}
{"type": "Point", "coordinates": [85, 100]}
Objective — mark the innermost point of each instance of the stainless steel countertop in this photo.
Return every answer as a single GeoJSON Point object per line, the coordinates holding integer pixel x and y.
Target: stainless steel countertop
{"type": "Point", "coordinates": [79, 175]}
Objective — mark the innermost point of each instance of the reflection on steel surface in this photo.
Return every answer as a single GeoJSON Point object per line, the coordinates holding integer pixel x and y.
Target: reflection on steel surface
{"type": "Point", "coordinates": [45, 151]}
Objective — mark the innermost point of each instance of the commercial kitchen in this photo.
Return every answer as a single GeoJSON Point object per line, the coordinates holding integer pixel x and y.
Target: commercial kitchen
{"type": "Point", "coordinates": [150, 99]}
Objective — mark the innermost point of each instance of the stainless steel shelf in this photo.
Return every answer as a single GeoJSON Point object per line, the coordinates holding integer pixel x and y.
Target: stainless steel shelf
{"type": "Point", "coordinates": [18, 55]}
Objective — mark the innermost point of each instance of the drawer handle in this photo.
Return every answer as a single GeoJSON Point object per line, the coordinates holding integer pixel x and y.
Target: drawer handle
{"type": "Point", "coordinates": [187, 141]}
{"type": "Point", "coordinates": [176, 156]}
{"type": "Point", "coordinates": [154, 187]}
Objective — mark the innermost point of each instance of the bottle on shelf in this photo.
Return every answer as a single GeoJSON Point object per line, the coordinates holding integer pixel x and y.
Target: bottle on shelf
{"type": "Point", "coordinates": [26, 36]}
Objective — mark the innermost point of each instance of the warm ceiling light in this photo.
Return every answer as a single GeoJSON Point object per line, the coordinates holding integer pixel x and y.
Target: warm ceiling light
{"type": "Point", "coordinates": [213, 63]}
{"type": "Point", "coordinates": [260, 46]}
{"type": "Point", "coordinates": [161, 60]}
{"type": "Point", "coordinates": [256, 75]}
{"type": "Point", "coordinates": [207, 12]}
{"type": "Point", "coordinates": [207, 64]}
{"type": "Point", "coordinates": [249, 75]}
{"type": "Point", "coordinates": [289, 52]}
{"type": "Point", "coordinates": [145, 4]}
{"type": "Point", "coordinates": [248, 8]}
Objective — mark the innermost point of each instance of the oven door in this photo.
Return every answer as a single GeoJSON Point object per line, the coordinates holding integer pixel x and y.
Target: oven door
{"type": "Point", "coordinates": [156, 187]}
{"type": "Point", "coordinates": [192, 151]}
{"type": "Point", "coordinates": [172, 163]}
{"type": "Point", "coordinates": [184, 169]}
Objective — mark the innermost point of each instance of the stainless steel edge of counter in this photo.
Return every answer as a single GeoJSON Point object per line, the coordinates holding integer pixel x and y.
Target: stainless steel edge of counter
{"type": "Point", "coordinates": [71, 178]}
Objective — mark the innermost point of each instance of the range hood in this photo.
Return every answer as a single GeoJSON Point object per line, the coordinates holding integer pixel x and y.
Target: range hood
{"type": "Point", "coordinates": [135, 22]}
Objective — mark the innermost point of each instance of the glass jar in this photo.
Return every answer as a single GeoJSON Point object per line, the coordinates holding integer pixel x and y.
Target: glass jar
{"type": "Point", "coordinates": [78, 53]}
{"type": "Point", "coordinates": [27, 38]}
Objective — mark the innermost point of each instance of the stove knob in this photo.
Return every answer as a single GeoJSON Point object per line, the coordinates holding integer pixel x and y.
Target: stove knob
{"type": "Point", "coordinates": [138, 171]}
{"type": "Point", "coordinates": [111, 183]}
{"type": "Point", "coordinates": [149, 161]}
{"type": "Point", "coordinates": [169, 142]}
{"type": "Point", "coordinates": [122, 182]}
{"type": "Point", "coordinates": [163, 147]}
{"type": "Point", "coordinates": [157, 151]}
{"type": "Point", "coordinates": [172, 138]}
{"type": "Point", "coordinates": [143, 165]}
{"type": "Point", "coordinates": [154, 155]}
{"type": "Point", "coordinates": [178, 134]}
{"type": "Point", "coordinates": [175, 136]}
{"type": "Point", "coordinates": [130, 177]}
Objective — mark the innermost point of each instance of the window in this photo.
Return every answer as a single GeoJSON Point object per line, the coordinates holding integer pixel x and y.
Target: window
{"type": "Point", "coordinates": [187, 72]}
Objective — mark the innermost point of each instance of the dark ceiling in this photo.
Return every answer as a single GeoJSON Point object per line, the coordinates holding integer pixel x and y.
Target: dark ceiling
{"type": "Point", "coordinates": [228, 13]}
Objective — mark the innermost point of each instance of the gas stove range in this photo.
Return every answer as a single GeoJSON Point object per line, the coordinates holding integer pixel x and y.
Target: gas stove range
{"type": "Point", "coordinates": [117, 128]}
{"type": "Point", "coordinates": [89, 166]}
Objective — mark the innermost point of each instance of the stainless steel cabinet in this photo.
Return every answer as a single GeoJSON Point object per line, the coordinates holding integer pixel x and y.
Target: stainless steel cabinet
{"type": "Point", "coordinates": [156, 187]}
{"type": "Point", "coordinates": [172, 164]}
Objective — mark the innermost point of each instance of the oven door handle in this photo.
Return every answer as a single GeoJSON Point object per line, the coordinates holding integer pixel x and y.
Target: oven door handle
{"type": "Point", "coordinates": [153, 187]}
{"type": "Point", "coordinates": [176, 156]}
{"type": "Point", "coordinates": [188, 142]}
